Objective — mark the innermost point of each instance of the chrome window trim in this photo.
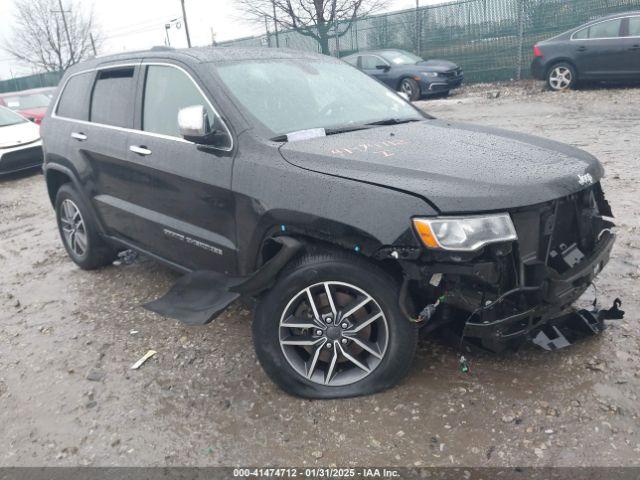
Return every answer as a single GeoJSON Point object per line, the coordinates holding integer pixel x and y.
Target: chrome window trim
{"type": "Point", "coordinates": [134, 130]}
{"type": "Point", "coordinates": [621, 17]}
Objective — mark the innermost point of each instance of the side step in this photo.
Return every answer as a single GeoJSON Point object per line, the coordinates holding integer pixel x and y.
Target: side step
{"type": "Point", "coordinates": [200, 296]}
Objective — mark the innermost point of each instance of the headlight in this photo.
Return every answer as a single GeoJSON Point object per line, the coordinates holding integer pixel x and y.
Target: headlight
{"type": "Point", "coordinates": [465, 233]}
{"type": "Point", "coordinates": [430, 74]}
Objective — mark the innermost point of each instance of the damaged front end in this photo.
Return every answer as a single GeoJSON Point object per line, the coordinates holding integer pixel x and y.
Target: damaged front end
{"type": "Point", "coordinates": [511, 291]}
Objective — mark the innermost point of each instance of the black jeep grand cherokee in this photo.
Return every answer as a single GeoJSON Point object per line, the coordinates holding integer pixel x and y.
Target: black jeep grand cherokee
{"type": "Point", "coordinates": [349, 215]}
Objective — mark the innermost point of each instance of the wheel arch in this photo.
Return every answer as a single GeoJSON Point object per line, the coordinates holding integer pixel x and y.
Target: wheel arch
{"type": "Point", "coordinates": [57, 175]}
{"type": "Point", "coordinates": [558, 60]}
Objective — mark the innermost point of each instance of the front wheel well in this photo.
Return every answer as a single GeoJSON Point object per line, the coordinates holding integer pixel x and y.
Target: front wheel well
{"type": "Point", "coordinates": [270, 249]}
{"type": "Point", "coordinates": [55, 180]}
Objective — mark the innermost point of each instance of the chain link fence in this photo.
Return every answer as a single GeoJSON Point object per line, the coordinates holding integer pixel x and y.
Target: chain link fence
{"type": "Point", "coordinates": [48, 79]}
{"type": "Point", "coordinates": [490, 39]}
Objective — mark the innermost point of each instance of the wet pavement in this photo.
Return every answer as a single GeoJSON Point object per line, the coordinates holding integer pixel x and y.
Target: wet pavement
{"type": "Point", "coordinates": [69, 337]}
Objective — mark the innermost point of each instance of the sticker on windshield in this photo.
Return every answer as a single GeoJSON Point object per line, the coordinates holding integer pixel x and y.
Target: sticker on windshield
{"type": "Point", "coordinates": [306, 134]}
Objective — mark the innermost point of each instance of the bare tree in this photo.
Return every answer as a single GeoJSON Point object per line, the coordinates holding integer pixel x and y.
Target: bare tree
{"type": "Point", "coordinates": [318, 19]}
{"type": "Point", "coordinates": [40, 39]}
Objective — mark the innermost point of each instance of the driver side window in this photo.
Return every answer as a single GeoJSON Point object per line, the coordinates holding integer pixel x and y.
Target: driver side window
{"type": "Point", "coordinates": [167, 90]}
{"type": "Point", "coordinates": [369, 62]}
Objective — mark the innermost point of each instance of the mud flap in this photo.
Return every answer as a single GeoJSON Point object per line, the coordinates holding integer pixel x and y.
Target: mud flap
{"type": "Point", "coordinates": [200, 296]}
{"type": "Point", "coordinates": [576, 325]}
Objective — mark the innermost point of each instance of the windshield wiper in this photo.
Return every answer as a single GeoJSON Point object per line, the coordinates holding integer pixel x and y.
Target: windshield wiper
{"type": "Point", "coordinates": [394, 121]}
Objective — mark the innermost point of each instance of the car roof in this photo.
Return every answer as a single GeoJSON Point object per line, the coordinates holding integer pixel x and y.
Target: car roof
{"type": "Point", "coordinates": [207, 54]}
{"type": "Point", "coordinates": [607, 17]}
{"type": "Point", "coordinates": [373, 52]}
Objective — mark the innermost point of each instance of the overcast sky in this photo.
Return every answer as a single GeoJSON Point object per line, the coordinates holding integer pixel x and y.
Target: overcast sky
{"type": "Point", "coordinates": [139, 24]}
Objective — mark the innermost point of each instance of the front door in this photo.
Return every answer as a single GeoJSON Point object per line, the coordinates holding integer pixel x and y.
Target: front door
{"type": "Point", "coordinates": [180, 192]}
{"type": "Point", "coordinates": [370, 65]}
{"type": "Point", "coordinates": [631, 45]}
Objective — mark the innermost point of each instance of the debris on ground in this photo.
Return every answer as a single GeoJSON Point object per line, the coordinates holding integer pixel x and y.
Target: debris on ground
{"type": "Point", "coordinates": [146, 357]}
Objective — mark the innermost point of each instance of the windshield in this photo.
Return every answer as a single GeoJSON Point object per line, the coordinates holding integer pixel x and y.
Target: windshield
{"type": "Point", "coordinates": [293, 95]}
{"type": "Point", "coordinates": [7, 117]}
{"type": "Point", "coordinates": [24, 102]}
{"type": "Point", "coordinates": [400, 58]}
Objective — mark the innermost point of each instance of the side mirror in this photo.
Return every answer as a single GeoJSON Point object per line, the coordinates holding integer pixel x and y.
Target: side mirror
{"type": "Point", "coordinates": [193, 123]}
{"type": "Point", "coordinates": [383, 67]}
{"type": "Point", "coordinates": [404, 95]}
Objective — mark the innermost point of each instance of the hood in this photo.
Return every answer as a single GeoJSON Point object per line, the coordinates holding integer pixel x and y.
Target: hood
{"type": "Point", "coordinates": [455, 167]}
{"type": "Point", "coordinates": [19, 134]}
{"type": "Point", "coordinates": [437, 65]}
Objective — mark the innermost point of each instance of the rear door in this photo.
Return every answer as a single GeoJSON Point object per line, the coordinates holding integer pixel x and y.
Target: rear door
{"type": "Point", "coordinates": [179, 193]}
{"type": "Point", "coordinates": [102, 146]}
{"type": "Point", "coordinates": [599, 50]}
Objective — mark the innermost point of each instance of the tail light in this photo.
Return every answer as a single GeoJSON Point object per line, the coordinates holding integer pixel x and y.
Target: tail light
{"type": "Point", "coordinates": [537, 52]}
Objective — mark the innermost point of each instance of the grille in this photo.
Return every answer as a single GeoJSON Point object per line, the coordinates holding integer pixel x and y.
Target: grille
{"type": "Point", "coordinates": [28, 157]}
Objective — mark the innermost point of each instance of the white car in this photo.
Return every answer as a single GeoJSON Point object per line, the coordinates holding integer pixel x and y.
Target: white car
{"type": "Point", "coordinates": [20, 142]}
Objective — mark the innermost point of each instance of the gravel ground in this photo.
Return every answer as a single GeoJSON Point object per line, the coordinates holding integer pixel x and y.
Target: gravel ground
{"type": "Point", "coordinates": [68, 338]}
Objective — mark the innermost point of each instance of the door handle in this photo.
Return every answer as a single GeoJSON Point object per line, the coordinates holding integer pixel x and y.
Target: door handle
{"type": "Point", "coordinates": [635, 47]}
{"type": "Point", "coordinates": [581, 49]}
{"type": "Point", "coordinates": [140, 150]}
{"type": "Point", "coordinates": [81, 137]}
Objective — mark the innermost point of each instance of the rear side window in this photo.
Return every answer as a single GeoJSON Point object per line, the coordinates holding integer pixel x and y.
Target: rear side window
{"type": "Point", "coordinates": [634, 26]}
{"type": "Point", "coordinates": [113, 97]}
{"type": "Point", "coordinates": [581, 34]}
{"type": "Point", "coordinates": [608, 29]}
{"type": "Point", "coordinates": [73, 99]}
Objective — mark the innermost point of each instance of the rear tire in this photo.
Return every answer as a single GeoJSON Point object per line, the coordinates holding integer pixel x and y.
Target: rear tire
{"type": "Point", "coordinates": [411, 88]}
{"type": "Point", "coordinates": [561, 76]}
{"type": "Point", "coordinates": [346, 368]}
{"type": "Point", "coordinates": [79, 232]}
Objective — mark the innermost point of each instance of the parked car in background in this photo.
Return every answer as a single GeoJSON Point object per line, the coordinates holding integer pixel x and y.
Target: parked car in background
{"type": "Point", "coordinates": [20, 144]}
{"type": "Point", "coordinates": [348, 214]}
{"type": "Point", "coordinates": [607, 49]}
{"type": "Point", "coordinates": [31, 104]}
{"type": "Point", "coordinates": [405, 72]}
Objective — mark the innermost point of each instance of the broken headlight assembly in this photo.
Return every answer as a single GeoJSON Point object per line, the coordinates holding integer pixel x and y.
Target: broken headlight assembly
{"type": "Point", "coordinates": [465, 234]}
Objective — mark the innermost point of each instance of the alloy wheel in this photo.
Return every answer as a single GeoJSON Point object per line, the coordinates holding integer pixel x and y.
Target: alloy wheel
{"type": "Point", "coordinates": [407, 88]}
{"type": "Point", "coordinates": [333, 333]}
{"type": "Point", "coordinates": [73, 228]}
{"type": "Point", "coordinates": [560, 78]}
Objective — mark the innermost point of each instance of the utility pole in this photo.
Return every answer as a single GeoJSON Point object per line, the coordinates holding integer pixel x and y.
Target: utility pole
{"type": "Point", "coordinates": [418, 28]}
{"type": "Point", "coordinates": [66, 28]}
{"type": "Point", "coordinates": [186, 25]}
{"type": "Point", "coordinates": [266, 28]}
{"type": "Point", "coordinates": [93, 44]}
{"type": "Point", "coordinates": [275, 23]}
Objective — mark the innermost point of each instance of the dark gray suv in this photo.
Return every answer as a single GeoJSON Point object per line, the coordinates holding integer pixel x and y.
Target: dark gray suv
{"type": "Point", "coordinates": [348, 215]}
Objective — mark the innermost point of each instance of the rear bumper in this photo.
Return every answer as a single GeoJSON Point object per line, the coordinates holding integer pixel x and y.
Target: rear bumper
{"type": "Point", "coordinates": [549, 303]}
{"type": "Point", "coordinates": [21, 157]}
{"type": "Point", "coordinates": [538, 68]}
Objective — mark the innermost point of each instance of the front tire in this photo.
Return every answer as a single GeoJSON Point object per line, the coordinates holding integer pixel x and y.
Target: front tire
{"type": "Point", "coordinates": [561, 76]}
{"type": "Point", "coordinates": [331, 328]}
{"type": "Point", "coordinates": [411, 88]}
{"type": "Point", "coordinates": [79, 232]}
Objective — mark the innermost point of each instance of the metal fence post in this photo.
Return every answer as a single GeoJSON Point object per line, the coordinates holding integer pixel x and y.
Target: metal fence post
{"type": "Point", "coordinates": [520, 38]}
